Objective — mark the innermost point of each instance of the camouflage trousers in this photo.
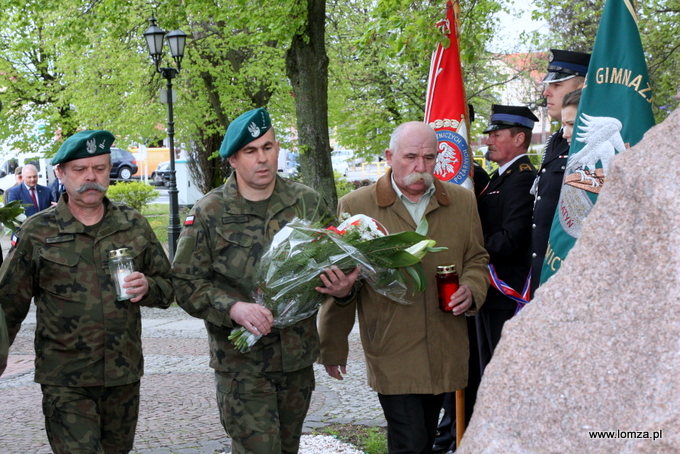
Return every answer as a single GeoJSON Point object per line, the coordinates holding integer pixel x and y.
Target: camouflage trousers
{"type": "Point", "coordinates": [90, 420]}
{"type": "Point", "coordinates": [264, 413]}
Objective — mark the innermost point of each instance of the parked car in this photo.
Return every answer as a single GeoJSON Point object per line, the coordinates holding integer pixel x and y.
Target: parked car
{"type": "Point", "coordinates": [123, 164]}
{"type": "Point", "coordinates": [161, 176]}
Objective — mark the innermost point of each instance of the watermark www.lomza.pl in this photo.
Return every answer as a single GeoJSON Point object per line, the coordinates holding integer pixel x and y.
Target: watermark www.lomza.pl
{"type": "Point", "coordinates": [626, 434]}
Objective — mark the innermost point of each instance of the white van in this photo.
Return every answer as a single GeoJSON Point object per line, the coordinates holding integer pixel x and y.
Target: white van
{"type": "Point", "coordinates": [10, 162]}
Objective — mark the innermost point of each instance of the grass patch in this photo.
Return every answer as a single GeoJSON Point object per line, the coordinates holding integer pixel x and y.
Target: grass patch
{"type": "Point", "coordinates": [155, 209]}
{"type": "Point", "coordinates": [370, 439]}
{"type": "Point", "coordinates": [158, 215]}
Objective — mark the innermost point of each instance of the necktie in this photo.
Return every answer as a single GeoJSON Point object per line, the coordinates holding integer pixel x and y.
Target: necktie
{"type": "Point", "coordinates": [35, 201]}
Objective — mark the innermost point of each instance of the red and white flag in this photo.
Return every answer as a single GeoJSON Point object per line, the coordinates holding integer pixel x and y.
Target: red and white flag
{"type": "Point", "coordinates": [446, 107]}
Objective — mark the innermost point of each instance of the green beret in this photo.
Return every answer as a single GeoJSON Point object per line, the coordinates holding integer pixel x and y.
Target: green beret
{"type": "Point", "coordinates": [84, 144]}
{"type": "Point", "coordinates": [245, 129]}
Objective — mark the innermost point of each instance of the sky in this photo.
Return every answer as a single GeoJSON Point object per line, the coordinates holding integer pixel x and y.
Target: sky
{"type": "Point", "coordinates": [511, 27]}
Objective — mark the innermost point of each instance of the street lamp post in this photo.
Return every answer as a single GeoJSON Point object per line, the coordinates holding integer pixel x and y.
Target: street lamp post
{"type": "Point", "coordinates": [176, 41]}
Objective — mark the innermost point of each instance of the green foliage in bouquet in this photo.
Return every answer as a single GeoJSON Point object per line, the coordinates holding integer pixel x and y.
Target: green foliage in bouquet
{"type": "Point", "coordinates": [9, 213]}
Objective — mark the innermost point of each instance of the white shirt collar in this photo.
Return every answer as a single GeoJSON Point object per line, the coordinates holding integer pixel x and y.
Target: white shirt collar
{"type": "Point", "coordinates": [428, 192]}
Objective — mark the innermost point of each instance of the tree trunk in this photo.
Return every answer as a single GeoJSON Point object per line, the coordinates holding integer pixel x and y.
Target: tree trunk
{"type": "Point", "coordinates": [207, 173]}
{"type": "Point", "coordinates": [307, 69]}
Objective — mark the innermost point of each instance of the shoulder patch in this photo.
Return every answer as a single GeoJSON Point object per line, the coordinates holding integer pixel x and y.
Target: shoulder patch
{"type": "Point", "coordinates": [15, 239]}
{"type": "Point", "coordinates": [525, 167]}
{"type": "Point", "coordinates": [189, 220]}
{"type": "Point", "coordinates": [60, 239]}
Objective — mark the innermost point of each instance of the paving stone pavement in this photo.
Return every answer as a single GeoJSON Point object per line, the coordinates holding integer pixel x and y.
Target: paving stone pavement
{"type": "Point", "coordinates": [178, 413]}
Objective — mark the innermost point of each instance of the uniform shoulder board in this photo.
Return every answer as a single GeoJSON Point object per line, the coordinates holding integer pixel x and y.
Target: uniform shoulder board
{"type": "Point", "coordinates": [524, 167]}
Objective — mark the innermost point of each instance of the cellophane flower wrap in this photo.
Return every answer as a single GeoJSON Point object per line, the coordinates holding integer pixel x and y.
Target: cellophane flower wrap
{"type": "Point", "coordinates": [288, 273]}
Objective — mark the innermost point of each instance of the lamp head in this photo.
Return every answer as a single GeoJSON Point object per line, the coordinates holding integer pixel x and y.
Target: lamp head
{"type": "Point", "coordinates": [154, 41]}
{"type": "Point", "coordinates": [176, 41]}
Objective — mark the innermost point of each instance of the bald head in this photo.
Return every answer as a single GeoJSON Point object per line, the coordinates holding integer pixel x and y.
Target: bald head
{"type": "Point", "coordinates": [30, 175]}
{"type": "Point", "coordinates": [412, 127]}
{"type": "Point", "coordinates": [412, 156]}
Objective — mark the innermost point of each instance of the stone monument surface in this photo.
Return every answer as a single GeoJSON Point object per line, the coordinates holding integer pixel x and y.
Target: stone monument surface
{"type": "Point", "coordinates": [598, 349]}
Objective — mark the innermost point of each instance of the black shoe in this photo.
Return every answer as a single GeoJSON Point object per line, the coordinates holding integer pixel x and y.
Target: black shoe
{"type": "Point", "coordinates": [439, 449]}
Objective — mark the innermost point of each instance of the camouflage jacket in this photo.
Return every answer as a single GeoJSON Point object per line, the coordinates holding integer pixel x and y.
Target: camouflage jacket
{"type": "Point", "coordinates": [220, 245]}
{"type": "Point", "coordinates": [84, 335]}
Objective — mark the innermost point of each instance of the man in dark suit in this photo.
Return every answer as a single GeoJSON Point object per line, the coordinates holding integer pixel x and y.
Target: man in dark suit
{"type": "Point", "coordinates": [56, 189]}
{"type": "Point", "coordinates": [34, 196]}
{"type": "Point", "coordinates": [505, 209]}
{"type": "Point", "coordinates": [566, 73]}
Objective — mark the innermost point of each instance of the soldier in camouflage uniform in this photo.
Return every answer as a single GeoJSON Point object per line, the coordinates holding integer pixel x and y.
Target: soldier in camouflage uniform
{"type": "Point", "coordinates": [88, 343]}
{"type": "Point", "coordinates": [263, 395]}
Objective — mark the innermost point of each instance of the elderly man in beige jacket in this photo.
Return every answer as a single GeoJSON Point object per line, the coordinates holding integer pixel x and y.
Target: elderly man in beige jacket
{"type": "Point", "coordinates": [414, 353]}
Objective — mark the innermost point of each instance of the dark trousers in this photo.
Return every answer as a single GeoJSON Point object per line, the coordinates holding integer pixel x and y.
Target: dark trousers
{"type": "Point", "coordinates": [446, 431]}
{"type": "Point", "coordinates": [489, 326]}
{"type": "Point", "coordinates": [91, 419]}
{"type": "Point", "coordinates": [411, 421]}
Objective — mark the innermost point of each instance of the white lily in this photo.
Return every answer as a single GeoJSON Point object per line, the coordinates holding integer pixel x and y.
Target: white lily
{"type": "Point", "coordinates": [421, 248]}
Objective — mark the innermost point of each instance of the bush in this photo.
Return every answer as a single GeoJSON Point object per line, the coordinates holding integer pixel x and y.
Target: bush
{"type": "Point", "coordinates": [342, 186]}
{"type": "Point", "coordinates": [361, 183]}
{"type": "Point", "coordinates": [135, 194]}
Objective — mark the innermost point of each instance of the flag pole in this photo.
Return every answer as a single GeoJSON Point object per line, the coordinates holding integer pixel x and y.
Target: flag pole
{"type": "Point", "coordinates": [460, 416]}
{"type": "Point", "coordinates": [460, 394]}
{"type": "Point", "coordinates": [456, 20]}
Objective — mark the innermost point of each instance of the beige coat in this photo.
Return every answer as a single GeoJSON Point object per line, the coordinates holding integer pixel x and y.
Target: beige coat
{"type": "Point", "coordinates": [416, 348]}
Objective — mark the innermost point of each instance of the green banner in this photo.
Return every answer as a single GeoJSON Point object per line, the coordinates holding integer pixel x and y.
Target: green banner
{"type": "Point", "coordinates": [614, 113]}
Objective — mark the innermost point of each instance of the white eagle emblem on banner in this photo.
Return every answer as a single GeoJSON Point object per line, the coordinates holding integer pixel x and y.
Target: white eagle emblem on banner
{"type": "Point", "coordinates": [447, 161]}
{"type": "Point", "coordinates": [602, 138]}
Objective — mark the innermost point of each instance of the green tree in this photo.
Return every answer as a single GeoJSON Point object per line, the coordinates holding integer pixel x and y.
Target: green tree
{"type": "Point", "coordinates": [35, 105]}
{"type": "Point", "coordinates": [307, 69]}
{"type": "Point", "coordinates": [240, 55]}
{"type": "Point", "coordinates": [379, 67]}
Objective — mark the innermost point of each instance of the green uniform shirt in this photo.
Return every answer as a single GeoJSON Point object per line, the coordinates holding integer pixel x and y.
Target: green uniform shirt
{"type": "Point", "coordinates": [221, 243]}
{"type": "Point", "coordinates": [84, 335]}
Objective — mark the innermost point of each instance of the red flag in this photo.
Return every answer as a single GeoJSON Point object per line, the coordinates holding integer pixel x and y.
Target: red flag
{"type": "Point", "coordinates": [446, 108]}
